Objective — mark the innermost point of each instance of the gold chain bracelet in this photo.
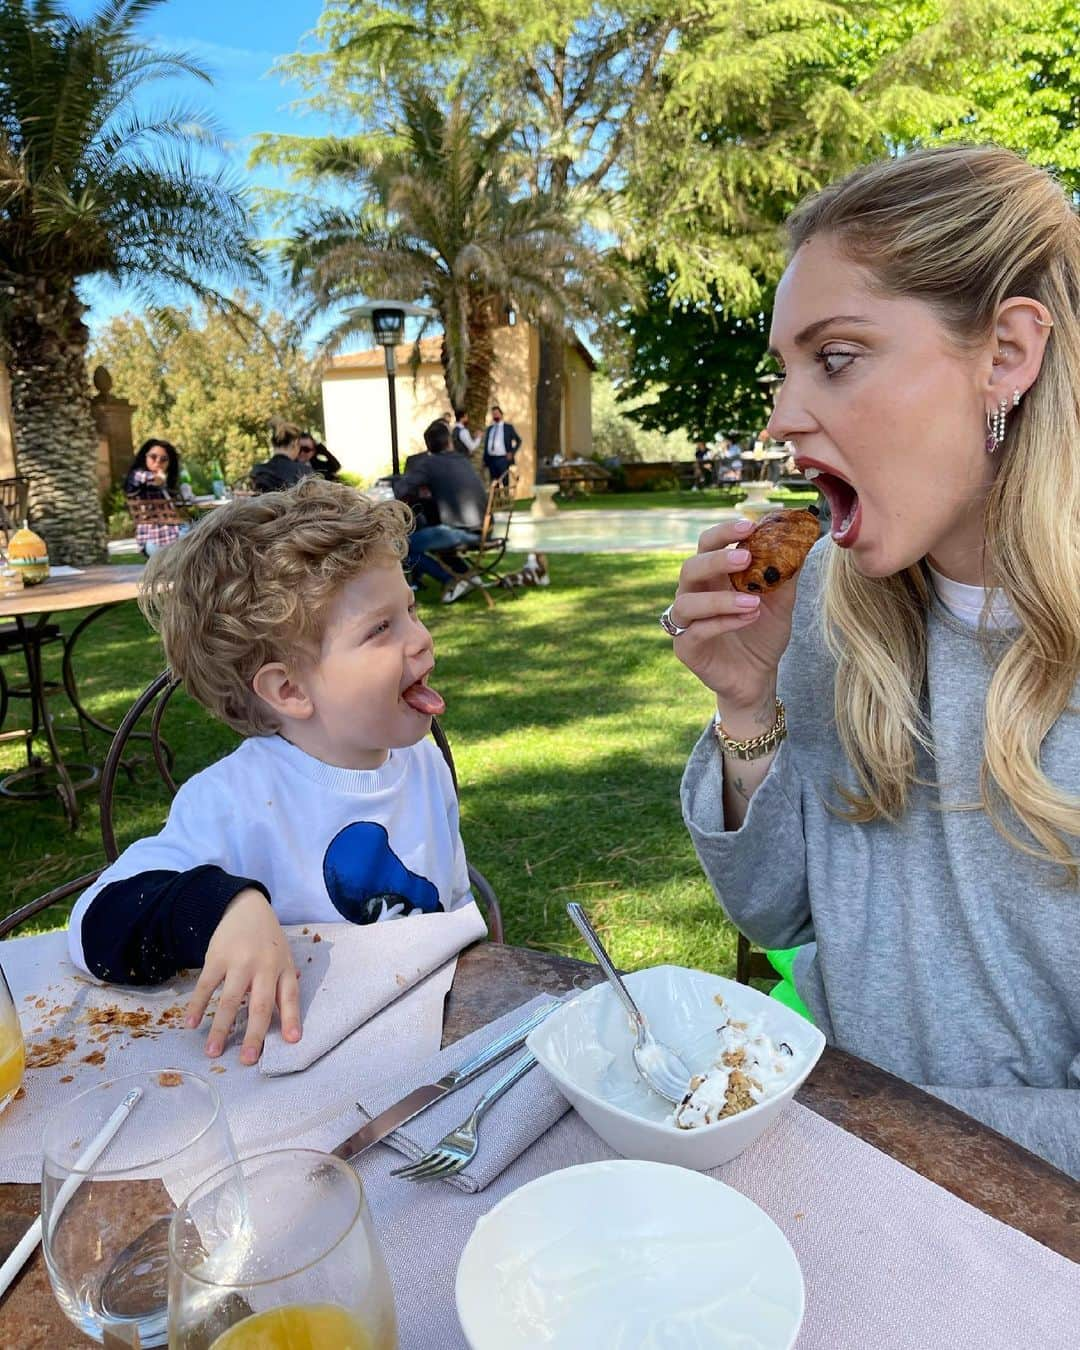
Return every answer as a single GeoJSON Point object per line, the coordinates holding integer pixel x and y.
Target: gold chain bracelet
{"type": "Point", "coordinates": [757, 746]}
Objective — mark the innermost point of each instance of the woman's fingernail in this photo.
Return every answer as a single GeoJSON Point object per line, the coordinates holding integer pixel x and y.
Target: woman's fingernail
{"type": "Point", "coordinates": [213, 1048]}
{"type": "Point", "coordinates": [743, 525]}
{"type": "Point", "coordinates": [747, 601]}
{"type": "Point", "coordinates": [248, 1055]}
{"type": "Point", "coordinates": [739, 556]}
{"type": "Point", "coordinates": [192, 1020]}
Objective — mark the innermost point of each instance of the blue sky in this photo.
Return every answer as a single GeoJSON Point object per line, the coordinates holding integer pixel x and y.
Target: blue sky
{"type": "Point", "coordinates": [237, 41]}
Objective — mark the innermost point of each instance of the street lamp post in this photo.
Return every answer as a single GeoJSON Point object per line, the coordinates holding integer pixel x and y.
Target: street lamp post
{"type": "Point", "coordinates": [388, 323]}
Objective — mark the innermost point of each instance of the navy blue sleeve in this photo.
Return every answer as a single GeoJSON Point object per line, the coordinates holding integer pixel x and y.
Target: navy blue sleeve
{"type": "Point", "coordinates": [145, 928]}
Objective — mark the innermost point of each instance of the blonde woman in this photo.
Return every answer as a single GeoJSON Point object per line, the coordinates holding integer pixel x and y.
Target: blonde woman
{"type": "Point", "coordinates": [892, 775]}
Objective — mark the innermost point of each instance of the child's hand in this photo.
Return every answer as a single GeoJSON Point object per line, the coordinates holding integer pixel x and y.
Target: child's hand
{"type": "Point", "coordinates": [248, 953]}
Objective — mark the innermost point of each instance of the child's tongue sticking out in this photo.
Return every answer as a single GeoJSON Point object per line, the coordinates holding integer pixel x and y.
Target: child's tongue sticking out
{"type": "Point", "coordinates": [424, 700]}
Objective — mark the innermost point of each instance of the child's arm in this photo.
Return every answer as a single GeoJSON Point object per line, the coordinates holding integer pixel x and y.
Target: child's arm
{"type": "Point", "coordinates": [247, 955]}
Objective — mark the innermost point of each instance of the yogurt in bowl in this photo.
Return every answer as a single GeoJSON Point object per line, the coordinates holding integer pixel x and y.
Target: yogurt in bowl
{"type": "Point", "coordinates": [748, 1053]}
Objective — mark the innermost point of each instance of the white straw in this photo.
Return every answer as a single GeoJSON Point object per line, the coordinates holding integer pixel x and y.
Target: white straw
{"type": "Point", "coordinates": [90, 1155]}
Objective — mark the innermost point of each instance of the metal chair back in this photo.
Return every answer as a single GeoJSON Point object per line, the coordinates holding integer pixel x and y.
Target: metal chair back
{"type": "Point", "coordinates": [14, 503]}
{"type": "Point", "coordinates": [156, 511]}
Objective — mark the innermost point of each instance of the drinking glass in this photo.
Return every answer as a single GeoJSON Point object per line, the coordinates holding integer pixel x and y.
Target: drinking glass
{"type": "Point", "coordinates": [118, 1159]}
{"type": "Point", "coordinates": [12, 1050]}
{"type": "Point", "coordinates": [279, 1252]}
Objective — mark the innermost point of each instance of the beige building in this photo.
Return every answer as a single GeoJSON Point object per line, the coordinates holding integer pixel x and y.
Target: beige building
{"type": "Point", "coordinates": [356, 413]}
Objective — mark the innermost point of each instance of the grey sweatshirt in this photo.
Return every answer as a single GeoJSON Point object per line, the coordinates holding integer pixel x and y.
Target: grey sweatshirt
{"type": "Point", "coordinates": [934, 948]}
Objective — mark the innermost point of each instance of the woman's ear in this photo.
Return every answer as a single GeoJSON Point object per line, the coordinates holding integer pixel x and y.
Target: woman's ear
{"type": "Point", "coordinates": [282, 692]}
{"type": "Point", "coordinates": [1021, 331]}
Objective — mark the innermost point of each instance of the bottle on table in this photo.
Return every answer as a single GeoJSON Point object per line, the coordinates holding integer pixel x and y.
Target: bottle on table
{"type": "Point", "coordinates": [187, 492]}
{"type": "Point", "coordinates": [12, 1050]}
{"type": "Point", "coordinates": [217, 480]}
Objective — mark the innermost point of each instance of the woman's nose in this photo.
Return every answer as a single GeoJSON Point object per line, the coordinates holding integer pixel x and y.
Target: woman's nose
{"type": "Point", "coordinates": [790, 416]}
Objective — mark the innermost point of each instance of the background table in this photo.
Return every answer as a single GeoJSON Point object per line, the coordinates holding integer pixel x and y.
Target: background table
{"type": "Point", "coordinates": [983, 1168]}
{"type": "Point", "coordinates": [96, 588]}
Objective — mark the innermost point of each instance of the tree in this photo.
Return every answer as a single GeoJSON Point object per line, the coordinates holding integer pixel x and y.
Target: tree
{"type": "Point", "coordinates": [693, 367]}
{"type": "Point", "coordinates": [439, 220]}
{"type": "Point", "coordinates": [88, 186]}
{"type": "Point", "coordinates": [764, 101]}
{"type": "Point", "coordinates": [209, 380]}
{"type": "Point", "coordinates": [572, 77]}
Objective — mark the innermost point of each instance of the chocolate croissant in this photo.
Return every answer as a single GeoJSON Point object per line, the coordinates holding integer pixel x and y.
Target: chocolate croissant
{"type": "Point", "coordinates": [778, 548]}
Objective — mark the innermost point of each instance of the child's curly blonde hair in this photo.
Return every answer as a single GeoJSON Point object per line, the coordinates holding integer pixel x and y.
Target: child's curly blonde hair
{"type": "Point", "coordinates": [253, 582]}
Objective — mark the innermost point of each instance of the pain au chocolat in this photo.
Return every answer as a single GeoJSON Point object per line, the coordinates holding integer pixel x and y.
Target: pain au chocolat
{"type": "Point", "coordinates": [778, 548]}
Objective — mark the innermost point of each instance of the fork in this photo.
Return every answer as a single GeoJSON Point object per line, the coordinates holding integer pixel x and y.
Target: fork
{"type": "Point", "coordinates": [453, 1153]}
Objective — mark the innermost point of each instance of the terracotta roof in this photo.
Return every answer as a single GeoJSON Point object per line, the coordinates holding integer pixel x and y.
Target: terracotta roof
{"type": "Point", "coordinates": [430, 354]}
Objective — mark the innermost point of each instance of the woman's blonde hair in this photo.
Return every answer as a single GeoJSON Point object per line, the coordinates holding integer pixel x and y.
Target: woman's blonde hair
{"type": "Point", "coordinates": [963, 228]}
{"type": "Point", "coordinates": [253, 583]}
{"type": "Point", "coordinates": [284, 433]}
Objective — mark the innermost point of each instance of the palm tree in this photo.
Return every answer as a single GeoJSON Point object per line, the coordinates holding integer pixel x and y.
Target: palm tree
{"type": "Point", "coordinates": [439, 221]}
{"type": "Point", "coordinates": [89, 186]}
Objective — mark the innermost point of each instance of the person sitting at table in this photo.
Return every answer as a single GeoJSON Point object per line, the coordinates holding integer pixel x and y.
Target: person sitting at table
{"type": "Point", "coordinates": [288, 618]}
{"type": "Point", "coordinates": [703, 464]}
{"type": "Point", "coordinates": [284, 467]}
{"type": "Point", "coordinates": [154, 475]}
{"type": "Point", "coordinates": [450, 501]}
{"type": "Point", "coordinates": [320, 459]}
{"type": "Point", "coordinates": [890, 783]}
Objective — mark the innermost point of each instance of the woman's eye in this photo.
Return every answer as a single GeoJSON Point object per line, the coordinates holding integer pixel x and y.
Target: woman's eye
{"type": "Point", "coordinates": [835, 361]}
{"type": "Point", "coordinates": [380, 628]}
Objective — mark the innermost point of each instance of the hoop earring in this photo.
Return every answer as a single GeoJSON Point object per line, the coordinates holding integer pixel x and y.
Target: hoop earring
{"type": "Point", "coordinates": [995, 423]}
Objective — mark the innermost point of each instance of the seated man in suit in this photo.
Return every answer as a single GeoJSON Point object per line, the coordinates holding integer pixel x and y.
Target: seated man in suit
{"type": "Point", "coordinates": [450, 500]}
{"type": "Point", "coordinates": [501, 444]}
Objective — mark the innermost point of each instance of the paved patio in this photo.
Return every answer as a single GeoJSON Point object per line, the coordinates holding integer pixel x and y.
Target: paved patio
{"type": "Point", "coordinates": [659, 531]}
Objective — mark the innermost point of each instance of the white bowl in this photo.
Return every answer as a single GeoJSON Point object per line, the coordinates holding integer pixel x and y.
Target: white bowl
{"type": "Point", "coordinates": [585, 1047]}
{"type": "Point", "coordinates": [631, 1254]}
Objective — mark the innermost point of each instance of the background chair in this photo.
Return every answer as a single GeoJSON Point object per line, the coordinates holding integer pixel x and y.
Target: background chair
{"type": "Point", "coordinates": [483, 558]}
{"type": "Point", "coordinates": [19, 638]}
{"type": "Point", "coordinates": [156, 511]}
{"type": "Point", "coordinates": [153, 702]}
{"type": "Point", "coordinates": [14, 503]}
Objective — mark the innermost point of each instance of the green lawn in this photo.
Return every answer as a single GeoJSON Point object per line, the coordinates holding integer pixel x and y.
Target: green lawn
{"type": "Point", "coordinates": [570, 721]}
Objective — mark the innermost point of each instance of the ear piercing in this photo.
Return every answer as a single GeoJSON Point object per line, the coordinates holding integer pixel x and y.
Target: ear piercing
{"type": "Point", "coordinates": [995, 422]}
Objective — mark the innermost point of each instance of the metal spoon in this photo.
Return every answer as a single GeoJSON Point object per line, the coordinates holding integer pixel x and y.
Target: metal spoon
{"type": "Point", "coordinates": [659, 1065]}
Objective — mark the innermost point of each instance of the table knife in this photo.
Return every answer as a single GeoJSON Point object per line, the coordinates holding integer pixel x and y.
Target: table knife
{"type": "Point", "coordinates": [422, 1097]}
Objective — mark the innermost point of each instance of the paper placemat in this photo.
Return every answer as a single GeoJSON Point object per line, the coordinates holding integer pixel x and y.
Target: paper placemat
{"type": "Point", "coordinates": [890, 1260]}
{"type": "Point", "coordinates": [79, 1032]}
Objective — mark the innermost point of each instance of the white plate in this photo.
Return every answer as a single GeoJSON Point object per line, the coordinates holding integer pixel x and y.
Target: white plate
{"type": "Point", "coordinates": [633, 1255]}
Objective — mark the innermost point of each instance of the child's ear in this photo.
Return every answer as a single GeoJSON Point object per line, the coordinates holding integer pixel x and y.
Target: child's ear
{"type": "Point", "coordinates": [278, 687]}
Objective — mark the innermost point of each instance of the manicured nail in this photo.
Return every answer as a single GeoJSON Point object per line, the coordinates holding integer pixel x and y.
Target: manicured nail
{"type": "Point", "coordinates": [293, 1034]}
{"type": "Point", "coordinates": [248, 1055]}
{"type": "Point", "coordinates": [747, 601]}
{"type": "Point", "coordinates": [192, 1020]}
{"type": "Point", "coordinates": [213, 1049]}
{"type": "Point", "coordinates": [739, 556]}
{"type": "Point", "coordinates": [743, 525]}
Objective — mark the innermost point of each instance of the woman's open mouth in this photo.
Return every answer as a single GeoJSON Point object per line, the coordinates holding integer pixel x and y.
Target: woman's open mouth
{"type": "Point", "coordinates": [843, 503]}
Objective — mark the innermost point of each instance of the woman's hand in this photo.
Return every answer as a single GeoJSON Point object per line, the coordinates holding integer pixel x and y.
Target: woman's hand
{"type": "Point", "coordinates": [248, 954]}
{"type": "Point", "coordinates": [733, 642]}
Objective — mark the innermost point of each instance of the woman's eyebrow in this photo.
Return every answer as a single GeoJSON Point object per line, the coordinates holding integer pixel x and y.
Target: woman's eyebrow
{"type": "Point", "coordinates": [810, 332]}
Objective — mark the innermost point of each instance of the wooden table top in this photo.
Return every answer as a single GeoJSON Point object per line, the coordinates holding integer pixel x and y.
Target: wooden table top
{"type": "Point", "coordinates": [983, 1168]}
{"type": "Point", "coordinates": [102, 585]}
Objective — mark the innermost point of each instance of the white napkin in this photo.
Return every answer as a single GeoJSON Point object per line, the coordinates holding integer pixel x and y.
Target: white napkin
{"type": "Point", "coordinates": [529, 1109]}
{"type": "Point", "coordinates": [349, 972]}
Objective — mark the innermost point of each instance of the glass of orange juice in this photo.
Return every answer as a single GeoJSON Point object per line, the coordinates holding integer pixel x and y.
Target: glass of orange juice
{"type": "Point", "coordinates": [279, 1253]}
{"type": "Point", "coordinates": [12, 1050]}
